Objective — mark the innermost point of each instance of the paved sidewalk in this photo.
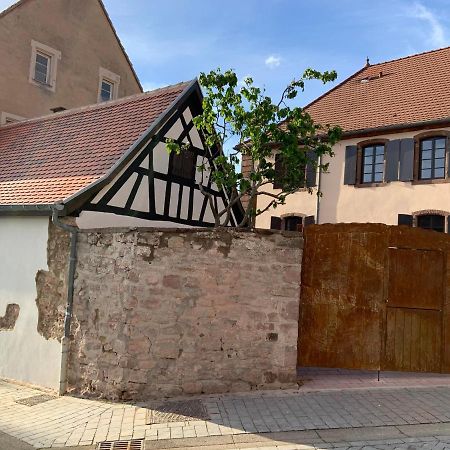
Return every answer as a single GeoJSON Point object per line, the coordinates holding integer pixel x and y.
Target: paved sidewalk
{"type": "Point", "coordinates": [315, 378]}
{"type": "Point", "coordinates": [68, 421]}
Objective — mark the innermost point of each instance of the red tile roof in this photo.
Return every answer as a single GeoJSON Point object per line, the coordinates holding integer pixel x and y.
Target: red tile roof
{"type": "Point", "coordinates": [48, 159]}
{"type": "Point", "coordinates": [403, 91]}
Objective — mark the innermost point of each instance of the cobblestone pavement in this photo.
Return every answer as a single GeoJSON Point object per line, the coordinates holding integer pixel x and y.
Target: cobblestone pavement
{"type": "Point", "coordinates": [68, 421]}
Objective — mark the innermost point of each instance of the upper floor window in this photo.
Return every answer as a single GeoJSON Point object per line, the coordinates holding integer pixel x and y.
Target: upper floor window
{"type": "Point", "coordinates": [280, 172]}
{"type": "Point", "coordinates": [44, 60]}
{"type": "Point", "coordinates": [432, 158]}
{"type": "Point", "coordinates": [434, 222]}
{"type": "Point", "coordinates": [106, 91]}
{"type": "Point", "coordinates": [108, 88]}
{"type": "Point", "coordinates": [372, 164]}
{"type": "Point", "coordinates": [42, 68]}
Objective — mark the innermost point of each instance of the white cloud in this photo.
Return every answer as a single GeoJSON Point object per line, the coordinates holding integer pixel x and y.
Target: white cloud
{"type": "Point", "coordinates": [436, 31]}
{"type": "Point", "coordinates": [272, 61]}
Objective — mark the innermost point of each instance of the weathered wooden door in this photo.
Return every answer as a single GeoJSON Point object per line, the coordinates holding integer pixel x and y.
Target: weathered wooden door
{"type": "Point", "coordinates": [375, 297]}
{"type": "Point", "coordinates": [414, 303]}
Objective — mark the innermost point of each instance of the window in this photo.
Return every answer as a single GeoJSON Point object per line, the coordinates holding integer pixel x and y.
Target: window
{"type": "Point", "coordinates": [106, 91]}
{"type": "Point", "coordinates": [280, 172]}
{"type": "Point", "coordinates": [108, 87]}
{"type": "Point", "coordinates": [292, 223]}
{"type": "Point", "coordinates": [432, 158]}
{"type": "Point", "coordinates": [183, 164]}
{"type": "Point", "coordinates": [42, 68]}
{"type": "Point", "coordinates": [372, 164]}
{"type": "Point", "coordinates": [43, 65]}
{"type": "Point", "coordinates": [431, 222]}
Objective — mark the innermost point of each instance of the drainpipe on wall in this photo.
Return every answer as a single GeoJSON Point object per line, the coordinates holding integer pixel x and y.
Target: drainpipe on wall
{"type": "Point", "coordinates": [319, 186]}
{"type": "Point", "coordinates": [69, 305]}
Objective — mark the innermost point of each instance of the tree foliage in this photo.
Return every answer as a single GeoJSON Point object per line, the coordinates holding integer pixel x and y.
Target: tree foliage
{"type": "Point", "coordinates": [243, 113]}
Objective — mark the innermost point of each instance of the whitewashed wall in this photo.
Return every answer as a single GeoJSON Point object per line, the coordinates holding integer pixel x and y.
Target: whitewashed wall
{"type": "Point", "coordinates": [25, 355]}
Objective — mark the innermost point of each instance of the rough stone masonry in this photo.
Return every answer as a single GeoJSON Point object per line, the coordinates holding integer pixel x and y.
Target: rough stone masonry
{"type": "Point", "coordinates": [168, 313]}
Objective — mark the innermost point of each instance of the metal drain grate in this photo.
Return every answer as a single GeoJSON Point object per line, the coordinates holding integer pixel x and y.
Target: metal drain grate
{"type": "Point", "coordinates": [35, 400]}
{"type": "Point", "coordinates": [180, 411]}
{"type": "Point", "coordinates": [134, 444]}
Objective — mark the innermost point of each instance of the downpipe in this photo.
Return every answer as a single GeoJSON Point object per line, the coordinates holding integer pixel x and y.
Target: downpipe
{"type": "Point", "coordinates": [65, 342]}
{"type": "Point", "coordinates": [319, 191]}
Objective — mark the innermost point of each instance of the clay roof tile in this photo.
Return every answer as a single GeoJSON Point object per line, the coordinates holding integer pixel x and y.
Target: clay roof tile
{"type": "Point", "coordinates": [411, 89]}
{"type": "Point", "coordinates": [48, 159]}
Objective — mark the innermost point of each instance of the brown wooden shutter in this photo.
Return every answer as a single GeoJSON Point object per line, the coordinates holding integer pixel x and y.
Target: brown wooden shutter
{"type": "Point", "coordinates": [405, 219]}
{"type": "Point", "coordinates": [392, 150]}
{"type": "Point", "coordinates": [406, 159]}
{"type": "Point", "coordinates": [448, 224]}
{"type": "Point", "coordinates": [311, 169]}
{"type": "Point", "coordinates": [351, 152]}
{"type": "Point", "coordinates": [278, 184]}
{"type": "Point", "coordinates": [275, 223]}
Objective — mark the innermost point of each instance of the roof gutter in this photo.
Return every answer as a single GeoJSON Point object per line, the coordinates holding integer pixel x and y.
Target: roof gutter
{"type": "Point", "coordinates": [26, 210]}
{"type": "Point", "coordinates": [436, 123]}
{"type": "Point", "coordinates": [376, 131]}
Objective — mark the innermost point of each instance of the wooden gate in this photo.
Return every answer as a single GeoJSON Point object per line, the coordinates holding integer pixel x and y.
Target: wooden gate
{"type": "Point", "coordinates": [375, 297]}
{"type": "Point", "coordinates": [414, 304]}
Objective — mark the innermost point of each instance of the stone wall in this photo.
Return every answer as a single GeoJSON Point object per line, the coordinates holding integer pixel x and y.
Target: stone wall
{"type": "Point", "coordinates": [167, 313]}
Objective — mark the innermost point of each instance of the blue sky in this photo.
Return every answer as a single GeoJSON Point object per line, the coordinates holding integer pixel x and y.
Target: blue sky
{"type": "Point", "coordinates": [272, 40]}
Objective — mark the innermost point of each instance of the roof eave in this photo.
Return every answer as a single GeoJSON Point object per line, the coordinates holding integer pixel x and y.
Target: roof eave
{"type": "Point", "coordinates": [27, 210]}
{"type": "Point", "coordinates": [396, 128]}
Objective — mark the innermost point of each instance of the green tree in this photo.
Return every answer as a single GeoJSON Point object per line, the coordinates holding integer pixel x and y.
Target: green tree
{"type": "Point", "coordinates": [243, 113]}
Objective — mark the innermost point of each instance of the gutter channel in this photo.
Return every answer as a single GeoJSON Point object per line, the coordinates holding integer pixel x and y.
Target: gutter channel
{"type": "Point", "coordinates": [65, 341]}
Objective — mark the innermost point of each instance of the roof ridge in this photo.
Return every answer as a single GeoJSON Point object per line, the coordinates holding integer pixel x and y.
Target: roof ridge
{"type": "Point", "coordinates": [95, 106]}
{"type": "Point", "coordinates": [410, 56]}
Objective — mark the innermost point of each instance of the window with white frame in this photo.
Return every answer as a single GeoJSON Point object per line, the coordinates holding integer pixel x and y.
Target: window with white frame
{"type": "Point", "coordinates": [106, 91]}
{"type": "Point", "coordinates": [108, 85]}
{"type": "Point", "coordinates": [43, 66]}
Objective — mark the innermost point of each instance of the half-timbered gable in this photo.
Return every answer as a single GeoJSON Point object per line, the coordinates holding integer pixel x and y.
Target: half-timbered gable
{"type": "Point", "coordinates": [109, 166]}
{"type": "Point", "coordinates": [161, 186]}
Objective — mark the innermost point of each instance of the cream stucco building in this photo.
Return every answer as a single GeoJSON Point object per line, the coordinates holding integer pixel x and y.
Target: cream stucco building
{"type": "Point", "coordinates": [60, 54]}
{"type": "Point", "coordinates": [392, 164]}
